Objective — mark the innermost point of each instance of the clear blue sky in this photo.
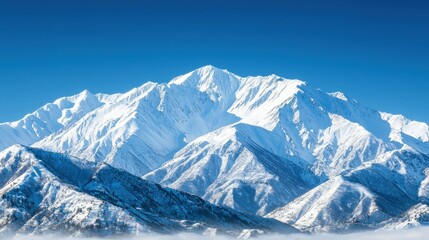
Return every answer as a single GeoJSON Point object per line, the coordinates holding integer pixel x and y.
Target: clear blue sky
{"type": "Point", "coordinates": [375, 51]}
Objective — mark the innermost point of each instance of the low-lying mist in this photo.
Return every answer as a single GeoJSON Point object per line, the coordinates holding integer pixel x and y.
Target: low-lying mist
{"type": "Point", "coordinates": [415, 234]}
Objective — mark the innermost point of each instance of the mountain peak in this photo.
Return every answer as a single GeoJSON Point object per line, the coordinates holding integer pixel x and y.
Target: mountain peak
{"type": "Point", "coordinates": [85, 92]}
{"type": "Point", "coordinates": [339, 95]}
{"type": "Point", "coordinates": [212, 70]}
{"type": "Point", "coordinates": [200, 76]}
{"type": "Point", "coordinates": [209, 68]}
{"type": "Point", "coordinates": [218, 84]}
{"type": "Point", "coordinates": [84, 95]}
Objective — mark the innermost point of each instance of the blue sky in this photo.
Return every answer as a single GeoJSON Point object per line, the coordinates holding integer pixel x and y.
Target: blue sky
{"type": "Point", "coordinates": [375, 51]}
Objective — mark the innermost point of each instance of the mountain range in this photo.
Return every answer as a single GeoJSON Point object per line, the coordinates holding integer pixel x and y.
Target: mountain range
{"type": "Point", "coordinates": [44, 192]}
{"type": "Point", "coordinates": [260, 146]}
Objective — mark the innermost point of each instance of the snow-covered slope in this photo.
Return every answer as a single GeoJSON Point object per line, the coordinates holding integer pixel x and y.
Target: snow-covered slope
{"type": "Point", "coordinates": [253, 143]}
{"type": "Point", "coordinates": [417, 215]}
{"type": "Point", "coordinates": [44, 192]}
{"type": "Point", "coordinates": [149, 124]}
{"type": "Point", "coordinates": [299, 128]}
{"type": "Point", "coordinates": [48, 119]}
{"type": "Point", "coordinates": [336, 205]}
{"type": "Point", "coordinates": [144, 127]}
{"type": "Point", "coordinates": [366, 197]}
{"type": "Point", "coordinates": [227, 167]}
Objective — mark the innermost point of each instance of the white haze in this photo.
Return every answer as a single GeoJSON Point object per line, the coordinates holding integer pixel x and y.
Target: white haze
{"type": "Point", "coordinates": [415, 234]}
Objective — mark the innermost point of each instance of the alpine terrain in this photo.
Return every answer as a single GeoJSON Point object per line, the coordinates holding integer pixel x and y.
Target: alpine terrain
{"type": "Point", "coordinates": [259, 146]}
{"type": "Point", "coordinates": [44, 192]}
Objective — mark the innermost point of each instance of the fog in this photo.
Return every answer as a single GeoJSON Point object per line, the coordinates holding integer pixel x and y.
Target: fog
{"type": "Point", "coordinates": [415, 233]}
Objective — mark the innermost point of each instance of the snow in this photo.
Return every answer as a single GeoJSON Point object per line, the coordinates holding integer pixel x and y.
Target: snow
{"type": "Point", "coordinates": [416, 216]}
{"type": "Point", "coordinates": [48, 119]}
{"type": "Point", "coordinates": [336, 205]}
{"type": "Point", "coordinates": [254, 144]}
{"type": "Point", "coordinates": [51, 193]}
{"type": "Point", "coordinates": [339, 95]}
{"type": "Point", "coordinates": [227, 169]}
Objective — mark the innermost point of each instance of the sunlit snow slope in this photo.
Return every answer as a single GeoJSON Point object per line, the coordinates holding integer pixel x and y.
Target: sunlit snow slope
{"type": "Point", "coordinates": [45, 192]}
{"type": "Point", "coordinates": [48, 119]}
{"type": "Point", "coordinates": [260, 145]}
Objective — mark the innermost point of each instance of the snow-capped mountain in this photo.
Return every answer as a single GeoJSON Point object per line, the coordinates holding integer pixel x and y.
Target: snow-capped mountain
{"type": "Point", "coordinates": [416, 216]}
{"type": "Point", "coordinates": [227, 167]}
{"type": "Point", "coordinates": [373, 195]}
{"type": "Point", "coordinates": [260, 145]}
{"type": "Point", "coordinates": [45, 192]}
{"type": "Point", "coordinates": [335, 205]}
{"type": "Point", "coordinates": [48, 119]}
{"type": "Point", "coordinates": [144, 127]}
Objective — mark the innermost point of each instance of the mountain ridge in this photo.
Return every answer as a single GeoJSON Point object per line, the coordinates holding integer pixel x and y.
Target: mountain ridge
{"type": "Point", "coordinates": [261, 145]}
{"type": "Point", "coordinates": [53, 193]}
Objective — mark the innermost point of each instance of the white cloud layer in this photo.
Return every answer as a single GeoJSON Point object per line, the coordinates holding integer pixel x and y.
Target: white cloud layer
{"type": "Point", "coordinates": [415, 234]}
